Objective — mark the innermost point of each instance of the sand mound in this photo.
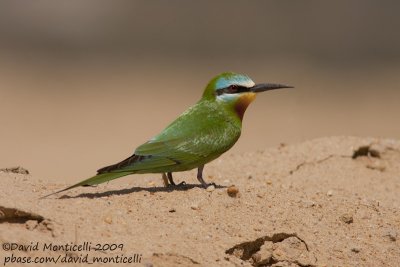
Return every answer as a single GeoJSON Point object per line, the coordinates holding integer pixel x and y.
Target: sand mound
{"type": "Point", "coordinates": [330, 201]}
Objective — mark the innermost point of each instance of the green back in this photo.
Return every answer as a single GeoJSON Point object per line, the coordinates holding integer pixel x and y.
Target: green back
{"type": "Point", "coordinates": [199, 135]}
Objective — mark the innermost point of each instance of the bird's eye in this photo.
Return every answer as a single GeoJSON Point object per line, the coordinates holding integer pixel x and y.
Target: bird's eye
{"type": "Point", "coordinates": [232, 88]}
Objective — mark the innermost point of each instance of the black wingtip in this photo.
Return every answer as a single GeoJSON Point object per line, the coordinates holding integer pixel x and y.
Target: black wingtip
{"type": "Point", "coordinates": [119, 165]}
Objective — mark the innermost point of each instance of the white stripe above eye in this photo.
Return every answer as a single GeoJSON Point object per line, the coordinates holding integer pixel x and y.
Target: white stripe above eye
{"type": "Point", "coordinates": [248, 83]}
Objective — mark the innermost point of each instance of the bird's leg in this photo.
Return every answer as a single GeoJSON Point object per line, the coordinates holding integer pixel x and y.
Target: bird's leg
{"type": "Point", "coordinates": [165, 179]}
{"type": "Point", "coordinates": [170, 179]}
{"type": "Point", "coordinates": [200, 177]}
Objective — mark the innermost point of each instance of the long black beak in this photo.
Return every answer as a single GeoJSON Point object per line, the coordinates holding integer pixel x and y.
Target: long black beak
{"type": "Point", "coordinates": [262, 87]}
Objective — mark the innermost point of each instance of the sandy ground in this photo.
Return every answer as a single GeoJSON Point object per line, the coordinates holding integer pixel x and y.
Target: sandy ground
{"type": "Point", "coordinates": [326, 202]}
{"type": "Point", "coordinates": [73, 119]}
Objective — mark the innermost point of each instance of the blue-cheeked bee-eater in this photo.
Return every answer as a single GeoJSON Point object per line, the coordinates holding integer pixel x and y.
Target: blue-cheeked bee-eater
{"type": "Point", "coordinates": [199, 135]}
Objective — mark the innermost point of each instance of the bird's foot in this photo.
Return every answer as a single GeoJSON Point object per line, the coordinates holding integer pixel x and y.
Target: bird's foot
{"type": "Point", "coordinates": [181, 184]}
{"type": "Point", "coordinates": [206, 185]}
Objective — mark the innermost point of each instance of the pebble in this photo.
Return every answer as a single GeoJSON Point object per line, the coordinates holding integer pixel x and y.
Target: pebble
{"type": "Point", "coordinates": [238, 252]}
{"type": "Point", "coordinates": [264, 255]}
{"type": "Point", "coordinates": [346, 218]}
{"type": "Point", "coordinates": [232, 191]}
{"type": "Point", "coordinates": [392, 234]}
{"type": "Point", "coordinates": [108, 220]}
{"type": "Point", "coordinates": [31, 224]}
{"type": "Point", "coordinates": [210, 188]}
{"type": "Point", "coordinates": [309, 203]}
{"type": "Point", "coordinates": [329, 193]}
{"type": "Point", "coordinates": [194, 207]}
{"type": "Point", "coordinates": [376, 165]}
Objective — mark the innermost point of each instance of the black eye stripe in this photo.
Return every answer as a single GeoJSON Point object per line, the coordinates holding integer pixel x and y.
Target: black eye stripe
{"type": "Point", "coordinates": [233, 89]}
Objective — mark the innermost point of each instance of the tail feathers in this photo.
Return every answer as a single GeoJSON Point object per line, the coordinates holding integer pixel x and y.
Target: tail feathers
{"type": "Point", "coordinates": [98, 179]}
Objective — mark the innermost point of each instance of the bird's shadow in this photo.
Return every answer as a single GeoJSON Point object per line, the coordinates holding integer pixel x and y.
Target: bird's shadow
{"type": "Point", "coordinates": [135, 189]}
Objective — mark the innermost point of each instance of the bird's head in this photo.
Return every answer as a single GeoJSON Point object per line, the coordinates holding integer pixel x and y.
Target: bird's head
{"type": "Point", "coordinates": [236, 90]}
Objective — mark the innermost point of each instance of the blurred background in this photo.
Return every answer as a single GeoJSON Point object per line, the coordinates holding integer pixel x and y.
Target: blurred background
{"type": "Point", "coordinates": [82, 83]}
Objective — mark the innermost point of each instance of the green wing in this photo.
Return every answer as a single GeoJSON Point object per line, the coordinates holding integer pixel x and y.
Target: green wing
{"type": "Point", "coordinates": [199, 135]}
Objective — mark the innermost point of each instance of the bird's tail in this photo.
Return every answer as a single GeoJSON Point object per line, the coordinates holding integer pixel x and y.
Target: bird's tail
{"type": "Point", "coordinates": [97, 179]}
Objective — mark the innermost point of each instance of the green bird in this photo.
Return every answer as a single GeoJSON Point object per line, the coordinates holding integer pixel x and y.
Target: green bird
{"type": "Point", "coordinates": [199, 135]}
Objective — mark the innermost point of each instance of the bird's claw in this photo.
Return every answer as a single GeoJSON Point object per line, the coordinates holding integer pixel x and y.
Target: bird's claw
{"type": "Point", "coordinates": [183, 183]}
{"type": "Point", "coordinates": [206, 185]}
